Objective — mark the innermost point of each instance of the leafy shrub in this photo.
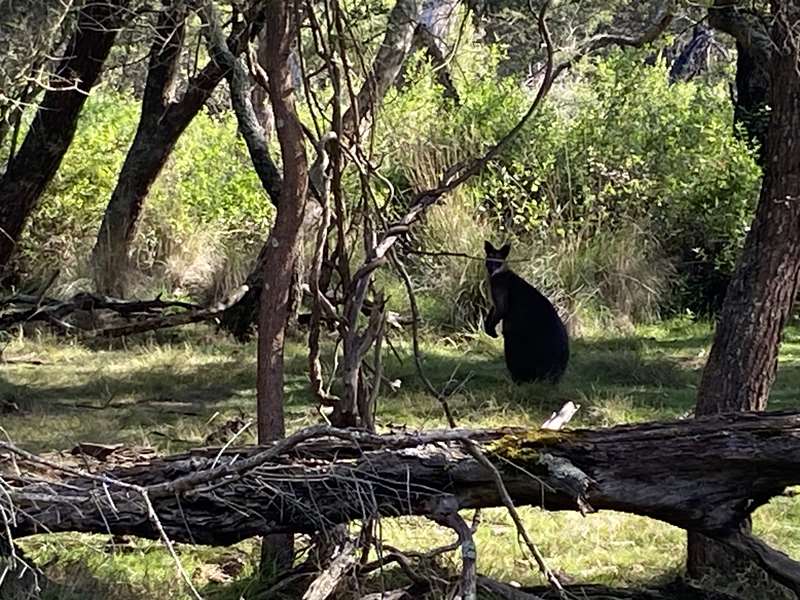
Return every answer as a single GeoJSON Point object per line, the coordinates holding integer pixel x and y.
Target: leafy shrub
{"type": "Point", "coordinates": [630, 147]}
{"type": "Point", "coordinates": [202, 222]}
{"type": "Point", "coordinates": [636, 189]}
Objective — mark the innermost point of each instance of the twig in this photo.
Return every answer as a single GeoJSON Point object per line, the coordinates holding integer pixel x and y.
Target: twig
{"type": "Point", "coordinates": [476, 453]}
{"type": "Point", "coordinates": [412, 300]}
{"type": "Point", "coordinates": [445, 512]}
{"type": "Point", "coordinates": [320, 183]}
{"type": "Point", "coordinates": [452, 178]}
{"type": "Point", "coordinates": [151, 512]}
{"type": "Point", "coordinates": [230, 441]}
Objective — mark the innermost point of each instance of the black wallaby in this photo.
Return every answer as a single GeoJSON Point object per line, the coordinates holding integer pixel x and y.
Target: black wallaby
{"type": "Point", "coordinates": [534, 337]}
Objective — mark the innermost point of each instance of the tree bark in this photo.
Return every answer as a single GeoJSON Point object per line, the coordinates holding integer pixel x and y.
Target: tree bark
{"type": "Point", "coordinates": [394, 50]}
{"type": "Point", "coordinates": [743, 361]}
{"type": "Point", "coordinates": [753, 47]}
{"type": "Point", "coordinates": [288, 196]}
{"type": "Point", "coordinates": [282, 244]}
{"type": "Point", "coordinates": [704, 474]}
{"type": "Point", "coordinates": [163, 120]}
{"type": "Point", "coordinates": [744, 356]}
{"type": "Point", "coordinates": [53, 127]}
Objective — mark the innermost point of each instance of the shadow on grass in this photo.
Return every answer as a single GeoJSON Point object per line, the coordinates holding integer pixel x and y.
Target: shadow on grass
{"type": "Point", "coordinates": [627, 377]}
{"type": "Point", "coordinates": [177, 395]}
{"type": "Point", "coordinates": [174, 389]}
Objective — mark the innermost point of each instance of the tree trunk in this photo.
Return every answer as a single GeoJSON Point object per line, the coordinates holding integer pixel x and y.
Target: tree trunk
{"type": "Point", "coordinates": [53, 127]}
{"type": "Point", "coordinates": [743, 361]}
{"type": "Point", "coordinates": [282, 245]}
{"type": "Point", "coordinates": [152, 145]}
{"type": "Point", "coordinates": [753, 48]}
{"type": "Point", "coordinates": [394, 50]}
{"type": "Point", "coordinates": [163, 120]}
{"type": "Point", "coordinates": [704, 474]}
{"type": "Point", "coordinates": [744, 356]}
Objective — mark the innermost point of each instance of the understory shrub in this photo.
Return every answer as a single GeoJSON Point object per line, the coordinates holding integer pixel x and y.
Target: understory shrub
{"type": "Point", "coordinates": [631, 195]}
{"type": "Point", "coordinates": [203, 220]}
{"type": "Point", "coordinates": [625, 195]}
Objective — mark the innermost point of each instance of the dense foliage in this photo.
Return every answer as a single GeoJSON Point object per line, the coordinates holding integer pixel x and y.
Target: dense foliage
{"type": "Point", "coordinates": [204, 217]}
{"type": "Point", "coordinates": [626, 196]}
{"type": "Point", "coordinates": [623, 189]}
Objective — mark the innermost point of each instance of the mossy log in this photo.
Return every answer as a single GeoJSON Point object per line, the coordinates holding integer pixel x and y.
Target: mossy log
{"type": "Point", "coordinates": [703, 474]}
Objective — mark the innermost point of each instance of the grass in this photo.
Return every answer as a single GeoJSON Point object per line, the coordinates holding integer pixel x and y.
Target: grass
{"type": "Point", "coordinates": [172, 390]}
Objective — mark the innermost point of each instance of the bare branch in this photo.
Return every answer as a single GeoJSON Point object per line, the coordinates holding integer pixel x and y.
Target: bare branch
{"type": "Point", "coordinates": [249, 124]}
{"type": "Point", "coordinates": [445, 512]}
{"type": "Point", "coordinates": [611, 39]}
{"type": "Point", "coordinates": [512, 511]}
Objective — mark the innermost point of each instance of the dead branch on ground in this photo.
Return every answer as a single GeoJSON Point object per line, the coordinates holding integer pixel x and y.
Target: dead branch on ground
{"type": "Point", "coordinates": [705, 474]}
{"type": "Point", "coordinates": [94, 316]}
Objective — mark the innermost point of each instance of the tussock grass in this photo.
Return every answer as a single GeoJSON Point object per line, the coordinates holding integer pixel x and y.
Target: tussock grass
{"type": "Point", "coordinates": [171, 390]}
{"type": "Point", "coordinates": [598, 278]}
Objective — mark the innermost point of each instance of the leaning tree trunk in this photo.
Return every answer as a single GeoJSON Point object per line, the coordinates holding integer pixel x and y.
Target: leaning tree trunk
{"type": "Point", "coordinates": [53, 127]}
{"type": "Point", "coordinates": [163, 120]}
{"type": "Point", "coordinates": [743, 361]}
{"type": "Point", "coordinates": [152, 145]}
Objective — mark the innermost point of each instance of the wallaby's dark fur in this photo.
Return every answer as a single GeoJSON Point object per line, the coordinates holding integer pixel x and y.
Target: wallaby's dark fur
{"type": "Point", "coordinates": [534, 337]}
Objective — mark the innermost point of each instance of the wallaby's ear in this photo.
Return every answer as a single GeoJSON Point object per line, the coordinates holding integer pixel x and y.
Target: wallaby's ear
{"type": "Point", "coordinates": [488, 248]}
{"type": "Point", "coordinates": [504, 250]}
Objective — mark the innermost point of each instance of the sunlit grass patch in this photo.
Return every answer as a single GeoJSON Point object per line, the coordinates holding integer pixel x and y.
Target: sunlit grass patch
{"type": "Point", "coordinates": [172, 391]}
{"type": "Point", "coordinates": [96, 566]}
{"type": "Point", "coordinates": [607, 547]}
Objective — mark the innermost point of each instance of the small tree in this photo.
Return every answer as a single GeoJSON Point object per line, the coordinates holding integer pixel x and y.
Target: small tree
{"type": "Point", "coordinates": [163, 120]}
{"type": "Point", "coordinates": [290, 193]}
{"type": "Point", "coordinates": [53, 127]}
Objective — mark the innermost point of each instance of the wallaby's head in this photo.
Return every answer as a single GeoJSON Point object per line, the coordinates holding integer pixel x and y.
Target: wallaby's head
{"type": "Point", "coordinates": [496, 257]}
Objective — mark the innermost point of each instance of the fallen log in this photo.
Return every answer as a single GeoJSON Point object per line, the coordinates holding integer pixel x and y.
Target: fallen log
{"type": "Point", "coordinates": [93, 316]}
{"type": "Point", "coordinates": [673, 591]}
{"type": "Point", "coordinates": [703, 474]}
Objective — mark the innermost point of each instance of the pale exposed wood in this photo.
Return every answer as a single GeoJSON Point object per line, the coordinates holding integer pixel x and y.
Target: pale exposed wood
{"type": "Point", "coordinates": [325, 584]}
{"type": "Point", "coordinates": [559, 419]}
